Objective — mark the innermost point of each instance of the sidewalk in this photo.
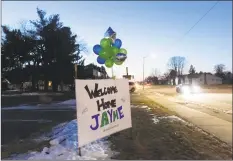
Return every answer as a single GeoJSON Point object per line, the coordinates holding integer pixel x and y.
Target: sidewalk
{"type": "Point", "coordinates": [220, 128]}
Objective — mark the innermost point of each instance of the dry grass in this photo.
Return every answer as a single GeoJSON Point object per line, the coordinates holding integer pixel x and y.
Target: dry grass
{"type": "Point", "coordinates": [223, 88]}
{"type": "Point", "coordinates": [164, 140]}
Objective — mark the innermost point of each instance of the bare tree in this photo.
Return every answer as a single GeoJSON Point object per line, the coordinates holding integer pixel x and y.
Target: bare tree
{"type": "Point", "coordinates": [219, 68]}
{"type": "Point", "coordinates": [155, 72]}
{"type": "Point", "coordinates": [177, 63]}
{"type": "Point", "coordinates": [192, 70]}
{"type": "Point", "coordinates": [166, 75]}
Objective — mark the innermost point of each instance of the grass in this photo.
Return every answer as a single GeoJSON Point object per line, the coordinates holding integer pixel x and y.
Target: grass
{"type": "Point", "coordinates": [164, 140]}
{"type": "Point", "coordinates": [142, 100]}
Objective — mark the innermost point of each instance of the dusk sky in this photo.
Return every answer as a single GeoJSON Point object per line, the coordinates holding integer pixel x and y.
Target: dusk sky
{"type": "Point", "coordinates": [145, 28]}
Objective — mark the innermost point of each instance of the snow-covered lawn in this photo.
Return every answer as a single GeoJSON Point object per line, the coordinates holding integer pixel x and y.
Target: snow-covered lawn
{"type": "Point", "coordinates": [64, 145]}
{"type": "Point", "coordinates": [63, 139]}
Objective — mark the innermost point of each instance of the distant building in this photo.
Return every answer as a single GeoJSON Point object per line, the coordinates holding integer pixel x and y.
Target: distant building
{"type": "Point", "coordinates": [92, 71]}
{"type": "Point", "coordinates": [201, 79]}
{"type": "Point", "coordinates": [162, 80]}
{"type": "Point", "coordinates": [5, 84]}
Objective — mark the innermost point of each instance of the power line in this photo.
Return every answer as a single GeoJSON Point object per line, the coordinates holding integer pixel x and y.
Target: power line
{"type": "Point", "coordinates": [201, 18]}
{"type": "Point", "coordinates": [196, 23]}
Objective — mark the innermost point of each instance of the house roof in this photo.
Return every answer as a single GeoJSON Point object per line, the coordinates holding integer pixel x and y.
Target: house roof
{"type": "Point", "coordinates": [196, 75]}
{"type": "Point", "coordinates": [190, 75]}
{"type": "Point", "coordinates": [5, 81]}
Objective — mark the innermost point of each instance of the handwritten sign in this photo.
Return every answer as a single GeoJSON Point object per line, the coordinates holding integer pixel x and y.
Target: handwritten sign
{"type": "Point", "coordinates": [103, 108]}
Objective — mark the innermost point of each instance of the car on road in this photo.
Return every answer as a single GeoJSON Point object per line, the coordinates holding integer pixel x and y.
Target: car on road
{"type": "Point", "coordinates": [132, 86]}
{"type": "Point", "coordinates": [187, 88]}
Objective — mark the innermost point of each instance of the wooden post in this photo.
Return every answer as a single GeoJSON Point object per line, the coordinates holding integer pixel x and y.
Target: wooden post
{"type": "Point", "coordinates": [75, 77]}
{"type": "Point", "coordinates": [79, 152]}
{"type": "Point", "coordinates": [75, 71]}
{"type": "Point", "coordinates": [131, 132]}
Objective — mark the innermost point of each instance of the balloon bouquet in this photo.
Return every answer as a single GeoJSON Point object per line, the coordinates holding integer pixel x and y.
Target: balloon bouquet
{"type": "Point", "coordinates": [109, 50]}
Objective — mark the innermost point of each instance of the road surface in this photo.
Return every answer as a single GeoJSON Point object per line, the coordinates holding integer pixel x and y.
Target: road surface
{"type": "Point", "coordinates": [210, 111]}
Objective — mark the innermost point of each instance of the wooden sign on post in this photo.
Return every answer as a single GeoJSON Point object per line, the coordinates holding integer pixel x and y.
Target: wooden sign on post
{"type": "Point", "coordinates": [103, 108]}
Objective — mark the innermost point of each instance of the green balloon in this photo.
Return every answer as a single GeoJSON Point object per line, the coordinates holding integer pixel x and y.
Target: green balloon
{"type": "Point", "coordinates": [123, 51]}
{"type": "Point", "coordinates": [115, 50]}
{"type": "Point", "coordinates": [104, 54]}
{"type": "Point", "coordinates": [118, 62]}
{"type": "Point", "coordinates": [105, 43]}
{"type": "Point", "coordinates": [109, 52]}
{"type": "Point", "coordinates": [109, 63]}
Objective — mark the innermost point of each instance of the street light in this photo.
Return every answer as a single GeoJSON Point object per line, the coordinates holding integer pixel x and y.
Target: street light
{"type": "Point", "coordinates": [153, 56]}
{"type": "Point", "coordinates": [143, 72]}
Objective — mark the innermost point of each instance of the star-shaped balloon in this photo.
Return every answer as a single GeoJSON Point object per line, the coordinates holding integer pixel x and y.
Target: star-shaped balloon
{"type": "Point", "coordinates": [110, 34]}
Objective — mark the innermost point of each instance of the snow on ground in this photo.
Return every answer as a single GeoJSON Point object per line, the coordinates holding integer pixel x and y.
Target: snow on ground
{"type": "Point", "coordinates": [157, 119]}
{"type": "Point", "coordinates": [172, 118]}
{"type": "Point", "coordinates": [71, 102]}
{"type": "Point", "coordinates": [64, 145]}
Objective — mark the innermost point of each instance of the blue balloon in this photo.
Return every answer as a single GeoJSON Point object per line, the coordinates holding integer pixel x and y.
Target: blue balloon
{"type": "Point", "coordinates": [97, 49]}
{"type": "Point", "coordinates": [100, 60]}
{"type": "Point", "coordinates": [117, 43]}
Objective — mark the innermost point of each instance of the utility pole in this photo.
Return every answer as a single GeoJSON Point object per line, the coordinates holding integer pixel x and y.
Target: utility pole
{"type": "Point", "coordinates": [143, 72]}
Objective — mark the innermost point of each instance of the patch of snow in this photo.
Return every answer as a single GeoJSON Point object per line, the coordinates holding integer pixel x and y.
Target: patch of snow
{"type": "Point", "coordinates": [144, 106]}
{"type": "Point", "coordinates": [64, 145]}
{"type": "Point", "coordinates": [158, 94]}
{"type": "Point", "coordinates": [155, 120]}
{"type": "Point", "coordinates": [68, 102]}
{"type": "Point", "coordinates": [134, 106]}
{"type": "Point", "coordinates": [173, 118]}
{"type": "Point", "coordinates": [229, 112]}
{"type": "Point", "coordinates": [41, 138]}
{"type": "Point", "coordinates": [148, 109]}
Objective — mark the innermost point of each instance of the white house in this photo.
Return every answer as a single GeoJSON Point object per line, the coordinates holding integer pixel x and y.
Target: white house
{"type": "Point", "coordinates": [201, 79]}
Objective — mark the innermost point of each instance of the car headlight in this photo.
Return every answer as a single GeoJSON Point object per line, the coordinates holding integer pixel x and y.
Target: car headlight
{"type": "Point", "coordinates": [196, 89]}
{"type": "Point", "coordinates": [185, 89]}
